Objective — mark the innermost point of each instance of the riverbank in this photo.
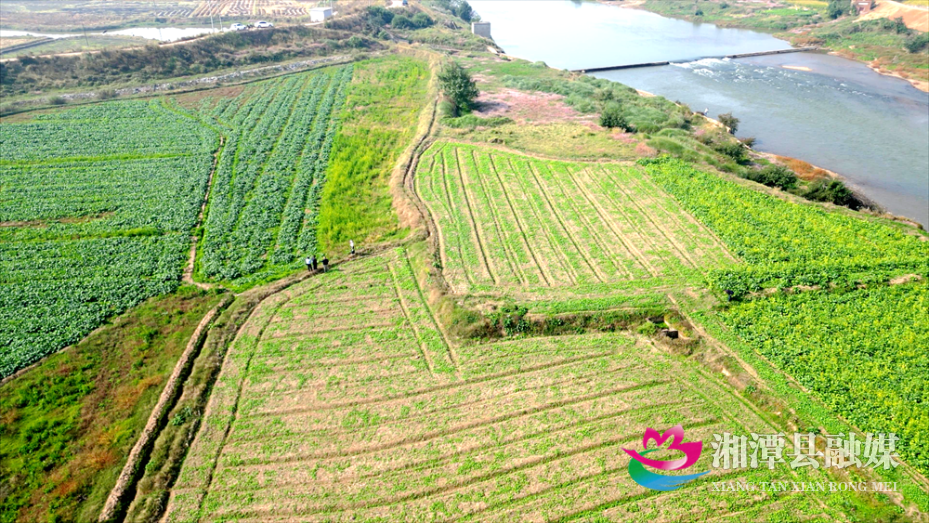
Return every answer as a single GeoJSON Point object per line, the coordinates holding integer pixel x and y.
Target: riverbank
{"type": "Point", "coordinates": [877, 42]}
{"type": "Point", "coordinates": [812, 173]}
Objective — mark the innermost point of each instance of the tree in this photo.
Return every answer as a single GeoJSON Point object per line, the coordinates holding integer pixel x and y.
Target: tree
{"type": "Point", "coordinates": [457, 84]}
{"type": "Point", "coordinates": [462, 9]}
{"type": "Point", "coordinates": [729, 121]}
{"type": "Point", "coordinates": [837, 8]}
{"type": "Point", "coordinates": [612, 117]}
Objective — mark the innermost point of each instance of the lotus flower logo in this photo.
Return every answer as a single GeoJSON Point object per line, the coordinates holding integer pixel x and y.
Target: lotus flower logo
{"type": "Point", "coordinates": [691, 450]}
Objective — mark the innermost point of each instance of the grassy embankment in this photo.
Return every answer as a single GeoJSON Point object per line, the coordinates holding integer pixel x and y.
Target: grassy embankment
{"type": "Point", "coordinates": [381, 110]}
{"type": "Point", "coordinates": [69, 422]}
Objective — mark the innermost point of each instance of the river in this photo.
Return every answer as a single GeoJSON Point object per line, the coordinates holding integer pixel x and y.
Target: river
{"type": "Point", "coordinates": [840, 115]}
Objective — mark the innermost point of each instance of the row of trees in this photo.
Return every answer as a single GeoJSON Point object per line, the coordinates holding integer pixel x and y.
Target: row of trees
{"type": "Point", "coordinates": [379, 16]}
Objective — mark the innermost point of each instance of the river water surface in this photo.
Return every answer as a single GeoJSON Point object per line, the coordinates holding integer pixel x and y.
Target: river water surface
{"type": "Point", "coordinates": [839, 115]}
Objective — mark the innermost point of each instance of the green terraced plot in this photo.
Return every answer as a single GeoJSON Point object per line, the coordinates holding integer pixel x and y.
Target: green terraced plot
{"type": "Point", "coordinates": [340, 400]}
{"type": "Point", "coordinates": [511, 221]}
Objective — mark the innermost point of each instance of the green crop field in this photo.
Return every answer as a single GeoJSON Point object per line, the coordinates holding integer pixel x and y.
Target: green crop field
{"type": "Point", "coordinates": [341, 400]}
{"type": "Point", "coordinates": [97, 207]}
{"type": "Point", "coordinates": [279, 137]}
{"type": "Point", "coordinates": [98, 203]}
{"type": "Point", "coordinates": [862, 351]}
{"type": "Point", "coordinates": [510, 220]}
{"type": "Point", "coordinates": [787, 244]}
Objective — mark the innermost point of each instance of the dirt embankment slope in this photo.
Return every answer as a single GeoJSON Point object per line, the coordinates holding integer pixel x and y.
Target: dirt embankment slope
{"type": "Point", "coordinates": [915, 17]}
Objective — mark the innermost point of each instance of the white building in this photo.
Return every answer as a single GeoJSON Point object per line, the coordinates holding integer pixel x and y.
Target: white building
{"type": "Point", "coordinates": [398, 3]}
{"type": "Point", "coordinates": [320, 14]}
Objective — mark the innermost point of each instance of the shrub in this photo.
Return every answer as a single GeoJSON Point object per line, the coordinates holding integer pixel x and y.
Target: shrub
{"type": "Point", "coordinates": [378, 15]}
{"type": "Point", "coordinates": [733, 150]}
{"type": "Point", "coordinates": [612, 117]}
{"type": "Point", "coordinates": [774, 176]}
{"type": "Point", "coordinates": [917, 43]}
{"type": "Point", "coordinates": [698, 12]}
{"type": "Point", "coordinates": [457, 84]}
{"type": "Point", "coordinates": [447, 108]}
{"type": "Point", "coordinates": [402, 22]}
{"type": "Point", "coordinates": [356, 42]}
{"type": "Point", "coordinates": [422, 20]}
{"type": "Point", "coordinates": [106, 94]}
{"type": "Point", "coordinates": [469, 121]}
{"type": "Point", "coordinates": [729, 121]}
{"type": "Point", "coordinates": [57, 100]}
{"type": "Point", "coordinates": [832, 191]}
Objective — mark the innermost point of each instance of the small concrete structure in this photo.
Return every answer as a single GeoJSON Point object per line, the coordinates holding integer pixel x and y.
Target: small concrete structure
{"type": "Point", "coordinates": [320, 14]}
{"type": "Point", "coordinates": [398, 3]}
{"type": "Point", "coordinates": [862, 6]}
{"type": "Point", "coordinates": [481, 29]}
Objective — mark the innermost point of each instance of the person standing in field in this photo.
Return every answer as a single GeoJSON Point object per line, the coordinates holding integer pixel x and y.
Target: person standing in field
{"type": "Point", "coordinates": [325, 263]}
{"type": "Point", "coordinates": [351, 243]}
{"type": "Point", "coordinates": [315, 264]}
{"type": "Point", "coordinates": [309, 264]}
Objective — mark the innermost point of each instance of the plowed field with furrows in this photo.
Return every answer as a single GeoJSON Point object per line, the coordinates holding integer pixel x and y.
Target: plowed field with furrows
{"type": "Point", "coordinates": [341, 399]}
{"type": "Point", "coordinates": [510, 220]}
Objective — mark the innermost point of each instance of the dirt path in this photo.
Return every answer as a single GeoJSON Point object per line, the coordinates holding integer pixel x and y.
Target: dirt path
{"type": "Point", "coordinates": [188, 275]}
{"type": "Point", "coordinates": [151, 430]}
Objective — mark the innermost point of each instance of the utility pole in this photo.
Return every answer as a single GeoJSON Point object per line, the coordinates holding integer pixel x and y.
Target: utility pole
{"type": "Point", "coordinates": [212, 27]}
{"type": "Point", "coordinates": [86, 41]}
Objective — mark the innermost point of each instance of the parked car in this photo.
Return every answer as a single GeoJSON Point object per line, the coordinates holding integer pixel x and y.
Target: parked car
{"type": "Point", "coordinates": [261, 24]}
{"type": "Point", "coordinates": [238, 27]}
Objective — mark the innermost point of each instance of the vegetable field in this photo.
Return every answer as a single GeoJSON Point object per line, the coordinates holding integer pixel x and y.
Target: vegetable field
{"type": "Point", "coordinates": [787, 244]}
{"type": "Point", "coordinates": [341, 400]}
{"type": "Point", "coordinates": [864, 352]}
{"type": "Point", "coordinates": [96, 206]}
{"type": "Point", "coordinates": [266, 187]}
{"type": "Point", "coordinates": [507, 220]}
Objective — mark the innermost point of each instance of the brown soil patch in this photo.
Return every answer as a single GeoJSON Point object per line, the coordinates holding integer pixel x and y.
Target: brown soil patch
{"type": "Point", "coordinates": [193, 100]}
{"type": "Point", "coordinates": [913, 16]}
{"type": "Point", "coordinates": [526, 107]}
{"type": "Point", "coordinates": [10, 42]}
{"type": "Point", "coordinates": [804, 170]}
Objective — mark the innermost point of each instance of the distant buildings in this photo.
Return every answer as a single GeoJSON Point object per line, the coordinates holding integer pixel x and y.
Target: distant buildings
{"type": "Point", "coordinates": [320, 14]}
{"type": "Point", "coordinates": [481, 29]}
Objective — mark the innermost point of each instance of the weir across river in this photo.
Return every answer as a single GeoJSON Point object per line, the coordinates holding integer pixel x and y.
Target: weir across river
{"type": "Point", "coordinates": [655, 64]}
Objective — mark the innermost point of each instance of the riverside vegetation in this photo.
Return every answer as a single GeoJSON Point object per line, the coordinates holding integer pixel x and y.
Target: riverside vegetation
{"type": "Point", "coordinates": [490, 372]}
